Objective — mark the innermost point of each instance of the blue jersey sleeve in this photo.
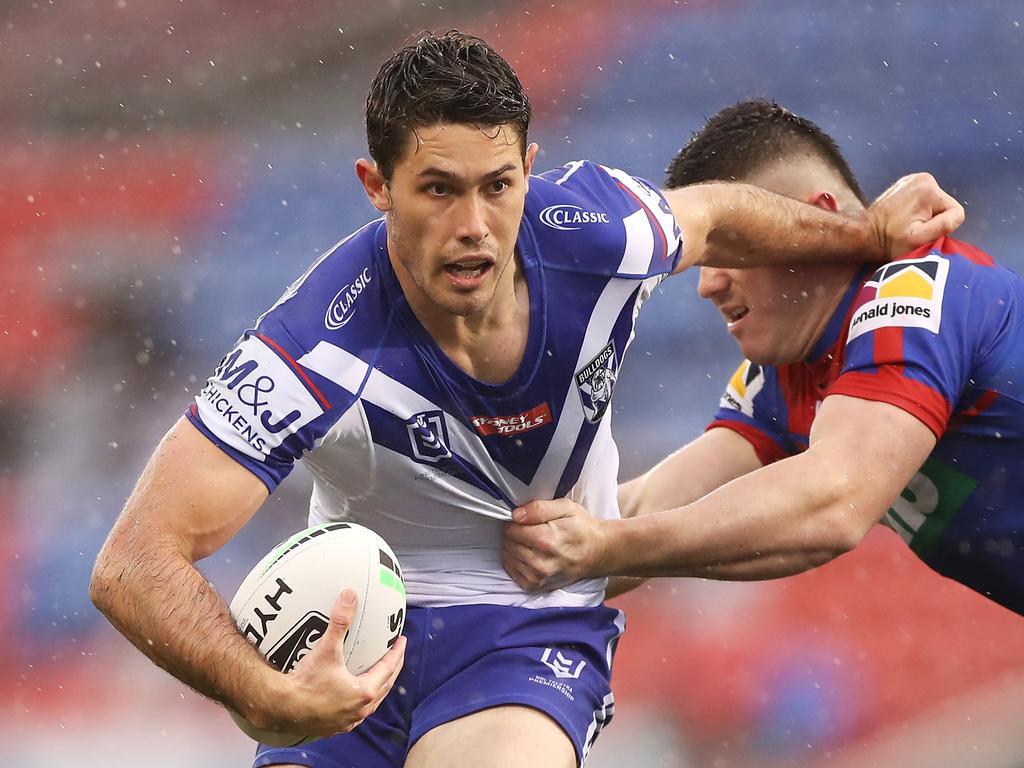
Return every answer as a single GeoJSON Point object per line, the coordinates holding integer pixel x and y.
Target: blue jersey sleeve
{"type": "Point", "coordinates": [752, 406]}
{"type": "Point", "coordinates": [266, 404]}
{"type": "Point", "coordinates": [919, 327]}
{"type": "Point", "coordinates": [600, 220]}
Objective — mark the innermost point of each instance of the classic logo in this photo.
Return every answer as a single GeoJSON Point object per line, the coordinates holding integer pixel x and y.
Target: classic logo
{"type": "Point", "coordinates": [340, 310]}
{"type": "Point", "coordinates": [561, 665]}
{"type": "Point", "coordinates": [569, 217]}
{"type": "Point", "coordinates": [905, 294]}
{"type": "Point", "coordinates": [537, 416]}
{"type": "Point", "coordinates": [743, 387]}
{"type": "Point", "coordinates": [428, 434]}
{"type": "Point", "coordinates": [258, 397]}
{"type": "Point", "coordinates": [595, 382]}
{"type": "Point", "coordinates": [296, 644]}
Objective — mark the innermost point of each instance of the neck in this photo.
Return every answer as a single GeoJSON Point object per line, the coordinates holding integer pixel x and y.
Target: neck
{"type": "Point", "coordinates": [827, 298]}
{"type": "Point", "coordinates": [487, 344]}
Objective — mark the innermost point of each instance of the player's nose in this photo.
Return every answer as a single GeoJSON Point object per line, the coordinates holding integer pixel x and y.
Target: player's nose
{"type": "Point", "coordinates": [712, 281]}
{"type": "Point", "coordinates": [471, 224]}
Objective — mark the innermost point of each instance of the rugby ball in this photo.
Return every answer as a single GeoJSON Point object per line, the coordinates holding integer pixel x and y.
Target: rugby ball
{"type": "Point", "coordinates": [283, 606]}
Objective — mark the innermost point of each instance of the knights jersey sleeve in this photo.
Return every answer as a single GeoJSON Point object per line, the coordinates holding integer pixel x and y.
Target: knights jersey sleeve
{"type": "Point", "coordinates": [601, 220]}
{"type": "Point", "coordinates": [918, 328]}
{"type": "Point", "coordinates": [753, 407]}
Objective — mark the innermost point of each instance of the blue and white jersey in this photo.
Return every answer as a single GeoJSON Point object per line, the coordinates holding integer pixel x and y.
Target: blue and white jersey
{"type": "Point", "coordinates": [340, 373]}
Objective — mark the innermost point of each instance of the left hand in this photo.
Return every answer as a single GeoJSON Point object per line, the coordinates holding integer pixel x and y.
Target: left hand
{"type": "Point", "coordinates": [914, 211]}
{"type": "Point", "coordinates": [551, 544]}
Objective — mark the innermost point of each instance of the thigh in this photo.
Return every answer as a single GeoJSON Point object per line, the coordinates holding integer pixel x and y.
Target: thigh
{"type": "Point", "coordinates": [500, 737]}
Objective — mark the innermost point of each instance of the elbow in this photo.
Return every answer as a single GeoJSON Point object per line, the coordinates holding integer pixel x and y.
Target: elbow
{"type": "Point", "coordinates": [841, 530]}
{"type": "Point", "coordinates": [102, 582]}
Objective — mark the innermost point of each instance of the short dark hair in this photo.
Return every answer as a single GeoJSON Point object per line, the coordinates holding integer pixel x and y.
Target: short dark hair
{"type": "Point", "coordinates": [742, 138]}
{"type": "Point", "coordinates": [448, 78]}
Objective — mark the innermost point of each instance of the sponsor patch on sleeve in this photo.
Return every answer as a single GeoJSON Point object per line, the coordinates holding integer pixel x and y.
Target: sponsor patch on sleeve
{"type": "Point", "coordinates": [255, 399]}
{"type": "Point", "coordinates": [904, 294]}
{"type": "Point", "coordinates": [744, 385]}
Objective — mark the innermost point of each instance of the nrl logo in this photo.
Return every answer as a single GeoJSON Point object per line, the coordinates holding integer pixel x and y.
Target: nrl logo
{"type": "Point", "coordinates": [428, 435]}
{"type": "Point", "coordinates": [595, 382]}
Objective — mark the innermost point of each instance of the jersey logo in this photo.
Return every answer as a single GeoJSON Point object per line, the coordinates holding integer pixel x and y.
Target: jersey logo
{"type": "Point", "coordinates": [254, 400]}
{"type": "Point", "coordinates": [340, 310]}
{"type": "Point", "coordinates": [428, 434]}
{"type": "Point", "coordinates": [596, 380]}
{"type": "Point", "coordinates": [538, 416]}
{"type": "Point", "coordinates": [743, 387]}
{"type": "Point", "coordinates": [905, 294]}
{"type": "Point", "coordinates": [569, 217]}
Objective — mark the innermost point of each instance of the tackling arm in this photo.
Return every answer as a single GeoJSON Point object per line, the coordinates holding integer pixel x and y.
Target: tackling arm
{"type": "Point", "coordinates": [789, 516]}
{"type": "Point", "coordinates": [739, 225]}
{"type": "Point", "coordinates": [713, 459]}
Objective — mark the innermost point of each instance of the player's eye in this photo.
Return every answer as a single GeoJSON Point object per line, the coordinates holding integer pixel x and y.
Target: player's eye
{"type": "Point", "coordinates": [437, 189]}
{"type": "Point", "coordinates": [498, 186]}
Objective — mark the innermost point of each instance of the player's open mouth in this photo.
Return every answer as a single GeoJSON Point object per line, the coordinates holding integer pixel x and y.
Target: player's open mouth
{"type": "Point", "coordinates": [469, 272]}
{"type": "Point", "coordinates": [733, 316]}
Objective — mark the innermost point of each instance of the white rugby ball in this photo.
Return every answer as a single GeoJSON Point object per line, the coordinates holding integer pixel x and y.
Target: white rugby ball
{"type": "Point", "coordinates": [283, 606]}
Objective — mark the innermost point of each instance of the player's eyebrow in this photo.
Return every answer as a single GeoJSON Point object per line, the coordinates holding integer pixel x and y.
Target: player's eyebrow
{"type": "Point", "coordinates": [435, 172]}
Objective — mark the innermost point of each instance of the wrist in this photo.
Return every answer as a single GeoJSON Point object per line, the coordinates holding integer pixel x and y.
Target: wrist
{"type": "Point", "coordinates": [607, 561]}
{"type": "Point", "coordinates": [265, 700]}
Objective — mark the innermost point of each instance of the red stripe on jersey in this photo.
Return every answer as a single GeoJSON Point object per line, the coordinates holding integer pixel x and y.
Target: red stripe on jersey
{"type": "Point", "coordinates": [194, 409]}
{"type": "Point", "coordinates": [889, 386]}
{"type": "Point", "coordinates": [767, 450]}
{"type": "Point", "coordinates": [651, 216]}
{"type": "Point", "coordinates": [888, 343]}
{"type": "Point", "coordinates": [295, 367]}
{"type": "Point", "coordinates": [980, 406]}
{"type": "Point", "coordinates": [950, 247]}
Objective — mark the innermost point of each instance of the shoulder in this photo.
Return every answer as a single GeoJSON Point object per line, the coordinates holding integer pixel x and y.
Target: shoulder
{"type": "Point", "coordinates": [340, 297]}
{"type": "Point", "coordinates": [595, 219]}
{"type": "Point", "coordinates": [918, 289]}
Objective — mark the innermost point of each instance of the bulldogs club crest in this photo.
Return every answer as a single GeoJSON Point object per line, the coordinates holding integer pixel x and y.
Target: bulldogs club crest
{"type": "Point", "coordinates": [595, 382]}
{"type": "Point", "coordinates": [429, 436]}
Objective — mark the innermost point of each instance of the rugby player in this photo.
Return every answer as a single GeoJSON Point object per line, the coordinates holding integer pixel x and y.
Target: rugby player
{"type": "Point", "coordinates": [869, 394]}
{"type": "Point", "coordinates": [437, 368]}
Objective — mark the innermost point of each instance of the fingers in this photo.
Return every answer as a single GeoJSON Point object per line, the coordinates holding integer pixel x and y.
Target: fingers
{"type": "Point", "coordinates": [383, 674]}
{"type": "Point", "coordinates": [516, 562]}
{"type": "Point", "coordinates": [536, 512]}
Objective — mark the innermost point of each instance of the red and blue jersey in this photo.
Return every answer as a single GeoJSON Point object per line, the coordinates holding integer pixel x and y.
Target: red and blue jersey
{"type": "Point", "coordinates": [937, 334]}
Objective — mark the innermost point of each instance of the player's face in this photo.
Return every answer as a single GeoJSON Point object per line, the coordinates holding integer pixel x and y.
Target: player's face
{"type": "Point", "coordinates": [454, 205]}
{"type": "Point", "coordinates": [776, 314]}
{"type": "Point", "coordinates": [772, 312]}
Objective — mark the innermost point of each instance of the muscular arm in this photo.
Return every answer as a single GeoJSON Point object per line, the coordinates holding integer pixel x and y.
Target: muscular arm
{"type": "Point", "coordinates": [739, 225]}
{"type": "Point", "coordinates": [789, 516]}
{"type": "Point", "coordinates": [191, 499]}
{"type": "Point", "coordinates": [713, 459]}
{"type": "Point", "coordinates": [699, 467]}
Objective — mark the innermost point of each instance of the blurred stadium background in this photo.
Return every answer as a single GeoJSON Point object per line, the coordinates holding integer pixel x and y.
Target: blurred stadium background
{"type": "Point", "coordinates": [166, 168]}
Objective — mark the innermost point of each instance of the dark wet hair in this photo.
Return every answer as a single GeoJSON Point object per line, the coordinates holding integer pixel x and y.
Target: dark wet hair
{"type": "Point", "coordinates": [740, 139]}
{"type": "Point", "coordinates": [448, 78]}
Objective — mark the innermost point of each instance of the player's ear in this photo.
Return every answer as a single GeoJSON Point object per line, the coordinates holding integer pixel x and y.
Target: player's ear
{"type": "Point", "coordinates": [824, 200]}
{"type": "Point", "coordinates": [531, 154]}
{"type": "Point", "coordinates": [374, 184]}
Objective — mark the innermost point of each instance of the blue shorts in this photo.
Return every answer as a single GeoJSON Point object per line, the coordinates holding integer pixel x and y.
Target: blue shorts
{"type": "Point", "coordinates": [465, 658]}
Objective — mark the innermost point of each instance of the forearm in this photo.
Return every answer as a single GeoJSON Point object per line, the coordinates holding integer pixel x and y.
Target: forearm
{"type": "Point", "coordinates": [782, 519]}
{"type": "Point", "coordinates": [739, 225]}
{"type": "Point", "coordinates": [157, 599]}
